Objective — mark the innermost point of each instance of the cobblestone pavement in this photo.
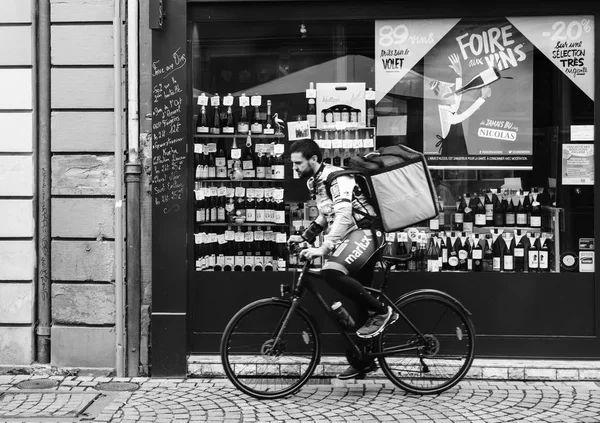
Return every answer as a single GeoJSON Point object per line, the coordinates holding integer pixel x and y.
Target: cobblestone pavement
{"type": "Point", "coordinates": [375, 400]}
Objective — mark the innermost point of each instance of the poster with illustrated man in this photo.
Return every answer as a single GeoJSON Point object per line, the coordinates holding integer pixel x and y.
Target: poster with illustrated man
{"type": "Point", "coordinates": [480, 78]}
{"type": "Point", "coordinates": [477, 87]}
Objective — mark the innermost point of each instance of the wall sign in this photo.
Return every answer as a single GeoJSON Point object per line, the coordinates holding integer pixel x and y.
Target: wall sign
{"type": "Point", "coordinates": [578, 164]}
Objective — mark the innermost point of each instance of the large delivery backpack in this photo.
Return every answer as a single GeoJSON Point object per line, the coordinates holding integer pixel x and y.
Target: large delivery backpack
{"type": "Point", "coordinates": [398, 184]}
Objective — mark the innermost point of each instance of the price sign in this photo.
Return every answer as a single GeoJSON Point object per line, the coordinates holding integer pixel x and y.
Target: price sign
{"type": "Point", "coordinates": [259, 235]}
{"type": "Point", "coordinates": [278, 194]}
{"type": "Point", "coordinates": [228, 100]}
{"type": "Point", "coordinates": [213, 191]}
{"type": "Point", "coordinates": [281, 238]}
{"type": "Point", "coordinates": [278, 149]}
{"type": "Point", "coordinates": [244, 101]}
{"type": "Point", "coordinates": [249, 236]}
{"type": "Point", "coordinates": [268, 192]}
{"type": "Point", "coordinates": [221, 239]}
{"type": "Point", "coordinates": [370, 95]}
{"type": "Point", "coordinates": [358, 143]}
{"type": "Point", "coordinates": [221, 191]}
{"type": "Point", "coordinates": [212, 147]}
{"type": "Point", "coordinates": [249, 192]}
{"type": "Point", "coordinates": [348, 144]}
{"type": "Point", "coordinates": [337, 143]}
{"type": "Point", "coordinates": [311, 93]}
{"type": "Point", "coordinates": [255, 100]}
{"type": "Point", "coordinates": [326, 144]}
{"type": "Point", "coordinates": [368, 143]}
{"type": "Point", "coordinates": [239, 236]}
{"type": "Point", "coordinates": [236, 153]}
{"type": "Point", "coordinates": [199, 148]}
{"type": "Point", "coordinates": [240, 192]}
{"type": "Point", "coordinates": [229, 235]}
{"type": "Point", "coordinates": [215, 101]}
{"type": "Point", "coordinates": [202, 100]}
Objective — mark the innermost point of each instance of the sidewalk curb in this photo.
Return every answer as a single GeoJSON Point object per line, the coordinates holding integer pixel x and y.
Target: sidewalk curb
{"type": "Point", "coordinates": [49, 370]}
{"type": "Point", "coordinates": [207, 366]}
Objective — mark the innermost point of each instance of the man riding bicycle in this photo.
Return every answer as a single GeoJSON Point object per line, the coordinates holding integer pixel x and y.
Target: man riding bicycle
{"type": "Point", "coordinates": [351, 244]}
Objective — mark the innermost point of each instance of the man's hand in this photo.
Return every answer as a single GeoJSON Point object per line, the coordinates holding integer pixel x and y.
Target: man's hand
{"type": "Point", "coordinates": [295, 239]}
{"type": "Point", "coordinates": [311, 253]}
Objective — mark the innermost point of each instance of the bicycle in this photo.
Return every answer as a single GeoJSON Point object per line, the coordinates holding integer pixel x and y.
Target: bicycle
{"type": "Point", "coordinates": [277, 362]}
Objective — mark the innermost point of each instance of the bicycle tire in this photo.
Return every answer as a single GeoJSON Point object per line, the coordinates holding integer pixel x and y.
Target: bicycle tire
{"type": "Point", "coordinates": [258, 368]}
{"type": "Point", "coordinates": [440, 363]}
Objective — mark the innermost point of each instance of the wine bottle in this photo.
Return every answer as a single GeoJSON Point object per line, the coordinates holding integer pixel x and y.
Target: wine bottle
{"type": "Point", "coordinates": [480, 214]}
{"type": "Point", "coordinates": [257, 127]}
{"type": "Point", "coordinates": [521, 215]}
{"type": "Point", "coordinates": [249, 249]}
{"type": "Point", "coordinates": [463, 252]}
{"type": "Point", "coordinates": [453, 261]}
{"type": "Point", "coordinates": [212, 165]}
{"type": "Point", "coordinates": [229, 127]}
{"type": "Point", "coordinates": [198, 161]}
{"type": "Point", "coordinates": [527, 207]}
{"type": "Point", "coordinates": [498, 248]}
{"type": "Point", "coordinates": [199, 205]}
{"type": "Point", "coordinates": [260, 204]}
{"type": "Point", "coordinates": [402, 251]}
{"type": "Point", "coordinates": [211, 251]}
{"type": "Point", "coordinates": [510, 217]}
{"type": "Point", "coordinates": [221, 214]}
{"type": "Point", "coordinates": [220, 247]}
{"type": "Point", "coordinates": [311, 106]}
{"type": "Point", "coordinates": [243, 126]}
{"type": "Point", "coordinates": [441, 215]}
{"type": "Point", "coordinates": [281, 253]}
{"type": "Point", "coordinates": [248, 166]}
{"type": "Point", "coordinates": [258, 250]}
{"type": "Point", "coordinates": [250, 205]}
{"type": "Point", "coordinates": [544, 256]}
{"type": "Point", "coordinates": [239, 250]}
{"type": "Point", "coordinates": [269, 128]}
{"type": "Point", "coordinates": [432, 256]}
{"type": "Point", "coordinates": [519, 251]}
{"type": "Point", "coordinates": [268, 250]}
{"type": "Point", "coordinates": [488, 205]}
{"type": "Point", "coordinates": [202, 122]}
{"type": "Point", "coordinates": [278, 167]}
{"type": "Point", "coordinates": [221, 161]}
{"type": "Point", "coordinates": [422, 257]}
{"type": "Point", "coordinates": [412, 262]}
{"type": "Point", "coordinates": [535, 218]}
{"type": "Point", "coordinates": [444, 252]}
{"type": "Point", "coordinates": [498, 214]}
{"type": "Point", "coordinates": [533, 255]}
{"type": "Point", "coordinates": [261, 162]}
{"type": "Point", "coordinates": [215, 129]}
{"type": "Point", "coordinates": [509, 253]}
{"type": "Point", "coordinates": [459, 215]}
{"type": "Point", "coordinates": [480, 80]}
{"type": "Point", "coordinates": [469, 214]}
{"type": "Point", "coordinates": [229, 250]}
{"type": "Point", "coordinates": [477, 255]}
{"type": "Point", "coordinates": [488, 255]}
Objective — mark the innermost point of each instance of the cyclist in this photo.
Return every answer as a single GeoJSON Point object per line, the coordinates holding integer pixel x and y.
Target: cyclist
{"type": "Point", "coordinates": [350, 245]}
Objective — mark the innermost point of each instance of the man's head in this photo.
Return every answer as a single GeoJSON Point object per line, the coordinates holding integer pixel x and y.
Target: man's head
{"type": "Point", "coordinates": [306, 157]}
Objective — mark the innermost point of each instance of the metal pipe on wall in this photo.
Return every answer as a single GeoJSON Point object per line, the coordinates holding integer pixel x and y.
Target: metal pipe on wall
{"type": "Point", "coordinates": [118, 145]}
{"type": "Point", "coordinates": [133, 171]}
{"type": "Point", "coordinates": [43, 279]}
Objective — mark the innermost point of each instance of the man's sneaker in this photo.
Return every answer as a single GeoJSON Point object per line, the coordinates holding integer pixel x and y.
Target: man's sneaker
{"type": "Point", "coordinates": [376, 323]}
{"type": "Point", "coordinates": [354, 373]}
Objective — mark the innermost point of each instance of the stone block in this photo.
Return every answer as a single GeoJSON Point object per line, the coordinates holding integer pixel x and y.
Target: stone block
{"type": "Point", "coordinates": [16, 218]}
{"type": "Point", "coordinates": [16, 345]}
{"type": "Point", "coordinates": [90, 304]}
{"type": "Point", "coordinates": [516, 373]}
{"type": "Point", "coordinates": [567, 374]}
{"type": "Point", "coordinates": [495, 373]}
{"type": "Point", "coordinates": [16, 174]}
{"type": "Point", "coordinates": [18, 260]}
{"type": "Point", "coordinates": [15, 302]}
{"type": "Point", "coordinates": [83, 217]}
{"type": "Point", "coordinates": [589, 374]}
{"type": "Point", "coordinates": [83, 175]}
{"type": "Point", "coordinates": [83, 261]}
{"type": "Point", "coordinates": [540, 374]}
{"type": "Point", "coordinates": [83, 346]}
{"type": "Point", "coordinates": [17, 130]}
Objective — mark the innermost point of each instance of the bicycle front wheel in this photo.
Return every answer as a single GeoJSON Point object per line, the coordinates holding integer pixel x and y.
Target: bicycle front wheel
{"type": "Point", "coordinates": [261, 365]}
{"type": "Point", "coordinates": [436, 358]}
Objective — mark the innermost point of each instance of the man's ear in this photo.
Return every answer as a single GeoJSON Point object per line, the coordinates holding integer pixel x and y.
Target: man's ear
{"type": "Point", "coordinates": [313, 158]}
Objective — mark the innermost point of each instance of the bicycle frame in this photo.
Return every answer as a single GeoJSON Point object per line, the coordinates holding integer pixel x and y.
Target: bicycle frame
{"type": "Point", "coordinates": [302, 285]}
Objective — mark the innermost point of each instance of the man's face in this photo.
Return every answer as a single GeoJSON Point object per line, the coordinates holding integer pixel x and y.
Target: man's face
{"type": "Point", "coordinates": [302, 166]}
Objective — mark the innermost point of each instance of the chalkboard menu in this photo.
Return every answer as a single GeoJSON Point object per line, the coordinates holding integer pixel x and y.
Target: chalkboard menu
{"type": "Point", "coordinates": [168, 134]}
{"type": "Point", "coordinates": [170, 186]}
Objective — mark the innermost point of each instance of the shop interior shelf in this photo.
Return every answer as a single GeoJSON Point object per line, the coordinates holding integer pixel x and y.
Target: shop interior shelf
{"type": "Point", "coordinates": [274, 136]}
{"type": "Point", "coordinates": [486, 229]}
{"type": "Point", "coordinates": [240, 180]}
{"type": "Point", "coordinates": [225, 224]}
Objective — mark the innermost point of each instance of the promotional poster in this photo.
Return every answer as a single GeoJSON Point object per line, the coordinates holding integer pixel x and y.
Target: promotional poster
{"type": "Point", "coordinates": [476, 81]}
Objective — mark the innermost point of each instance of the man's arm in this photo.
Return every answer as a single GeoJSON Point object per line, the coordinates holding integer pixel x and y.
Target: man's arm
{"type": "Point", "coordinates": [341, 194]}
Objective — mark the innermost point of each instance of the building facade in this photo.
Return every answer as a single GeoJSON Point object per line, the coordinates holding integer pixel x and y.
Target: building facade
{"type": "Point", "coordinates": [98, 269]}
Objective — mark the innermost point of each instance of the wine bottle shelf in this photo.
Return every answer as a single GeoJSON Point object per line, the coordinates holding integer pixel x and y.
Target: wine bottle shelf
{"type": "Point", "coordinates": [225, 224]}
{"type": "Point", "coordinates": [261, 136]}
{"type": "Point", "coordinates": [240, 180]}
{"type": "Point", "coordinates": [484, 229]}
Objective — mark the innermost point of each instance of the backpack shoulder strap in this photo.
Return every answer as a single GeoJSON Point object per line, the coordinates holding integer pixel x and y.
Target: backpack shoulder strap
{"type": "Point", "coordinates": [334, 175]}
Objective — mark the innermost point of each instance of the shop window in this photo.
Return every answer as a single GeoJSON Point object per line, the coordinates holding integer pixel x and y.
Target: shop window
{"type": "Point", "coordinates": [502, 108]}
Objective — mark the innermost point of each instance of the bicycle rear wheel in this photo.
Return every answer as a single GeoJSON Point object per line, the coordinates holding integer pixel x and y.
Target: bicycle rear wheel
{"type": "Point", "coordinates": [256, 363]}
{"type": "Point", "coordinates": [439, 359]}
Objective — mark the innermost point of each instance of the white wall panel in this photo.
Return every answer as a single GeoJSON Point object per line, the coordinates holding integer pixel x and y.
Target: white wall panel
{"type": "Point", "coordinates": [16, 218]}
{"type": "Point", "coordinates": [16, 176]}
{"type": "Point", "coordinates": [15, 86]}
{"type": "Point", "coordinates": [17, 132]}
{"type": "Point", "coordinates": [17, 258]}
